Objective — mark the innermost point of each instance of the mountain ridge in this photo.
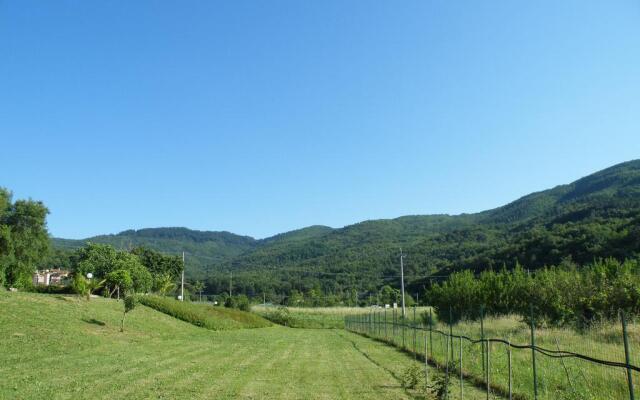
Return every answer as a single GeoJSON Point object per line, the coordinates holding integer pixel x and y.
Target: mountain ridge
{"type": "Point", "coordinates": [435, 243]}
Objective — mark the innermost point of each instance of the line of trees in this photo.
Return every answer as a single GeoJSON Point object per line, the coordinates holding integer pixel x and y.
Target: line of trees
{"type": "Point", "coordinates": [557, 295]}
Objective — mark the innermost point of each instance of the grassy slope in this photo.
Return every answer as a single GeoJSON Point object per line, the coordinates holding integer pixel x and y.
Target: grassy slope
{"type": "Point", "coordinates": [63, 348]}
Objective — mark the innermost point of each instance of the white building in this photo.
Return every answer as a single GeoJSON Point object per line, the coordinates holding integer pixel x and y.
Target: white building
{"type": "Point", "coordinates": [49, 277]}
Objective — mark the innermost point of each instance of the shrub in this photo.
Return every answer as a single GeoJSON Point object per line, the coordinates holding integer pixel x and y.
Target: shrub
{"type": "Point", "coordinates": [411, 376]}
{"type": "Point", "coordinates": [280, 315]}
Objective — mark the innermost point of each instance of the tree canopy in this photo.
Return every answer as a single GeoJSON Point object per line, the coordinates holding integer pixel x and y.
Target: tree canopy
{"type": "Point", "coordinates": [24, 240]}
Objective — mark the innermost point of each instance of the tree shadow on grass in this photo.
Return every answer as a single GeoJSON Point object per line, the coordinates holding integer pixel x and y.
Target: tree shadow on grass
{"type": "Point", "coordinates": [94, 321]}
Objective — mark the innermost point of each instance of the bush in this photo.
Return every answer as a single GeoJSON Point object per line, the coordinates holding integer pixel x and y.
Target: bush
{"type": "Point", "coordinates": [280, 315]}
{"type": "Point", "coordinates": [52, 289]}
{"type": "Point", "coordinates": [241, 302]}
{"type": "Point", "coordinates": [411, 376]}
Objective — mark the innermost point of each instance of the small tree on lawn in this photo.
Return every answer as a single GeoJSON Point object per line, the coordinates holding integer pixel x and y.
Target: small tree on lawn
{"type": "Point", "coordinates": [129, 304]}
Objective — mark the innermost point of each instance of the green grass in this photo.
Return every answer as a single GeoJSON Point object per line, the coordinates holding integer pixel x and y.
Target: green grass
{"type": "Point", "coordinates": [59, 347]}
{"type": "Point", "coordinates": [567, 378]}
{"type": "Point", "coordinates": [205, 315]}
{"type": "Point", "coordinates": [315, 317]}
{"type": "Point", "coordinates": [298, 317]}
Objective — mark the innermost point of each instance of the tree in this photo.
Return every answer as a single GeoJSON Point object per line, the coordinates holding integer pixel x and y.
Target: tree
{"type": "Point", "coordinates": [129, 304]}
{"type": "Point", "coordinates": [388, 295]}
{"type": "Point", "coordinates": [24, 240]}
{"type": "Point", "coordinates": [158, 263]}
{"type": "Point", "coordinates": [84, 286]}
{"type": "Point", "coordinates": [163, 284]}
{"type": "Point", "coordinates": [101, 259]}
{"type": "Point", "coordinates": [141, 278]}
{"type": "Point", "coordinates": [119, 280]}
{"type": "Point", "coordinates": [198, 286]}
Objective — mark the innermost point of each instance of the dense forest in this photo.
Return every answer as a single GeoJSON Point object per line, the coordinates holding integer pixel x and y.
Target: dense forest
{"type": "Point", "coordinates": [596, 217]}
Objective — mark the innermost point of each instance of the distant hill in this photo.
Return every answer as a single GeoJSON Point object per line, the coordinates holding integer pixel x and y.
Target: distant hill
{"type": "Point", "coordinates": [596, 216]}
{"type": "Point", "coordinates": [203, 248]}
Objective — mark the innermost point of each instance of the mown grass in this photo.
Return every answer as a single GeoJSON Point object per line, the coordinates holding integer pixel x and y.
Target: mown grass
{"type": "Point", "coordinates": [205, 315]}
{"type": "Point", "coordinates": [315, 317]}
{"type": "Point", "coordinates": [61, 347]}
{"type": "Point", "coordinates": [566, 378]}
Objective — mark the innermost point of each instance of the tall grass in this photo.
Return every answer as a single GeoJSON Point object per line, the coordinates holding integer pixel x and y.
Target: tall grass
{"type": "Point", "coordinates": [566, 378]}
{"type": "Point", "coordinates": [206, 316]}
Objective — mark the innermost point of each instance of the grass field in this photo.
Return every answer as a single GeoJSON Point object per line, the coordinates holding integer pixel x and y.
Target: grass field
{"type": "Point", "coordinates": [309, 317]}
{"type": "Point", "coordinates": [57, 347]}
{"type": "Point", "coordinates": [317, 317]}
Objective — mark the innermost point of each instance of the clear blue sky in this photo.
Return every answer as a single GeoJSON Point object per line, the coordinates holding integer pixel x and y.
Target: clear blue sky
{"type": "Point", "coordinates": [266, 116]}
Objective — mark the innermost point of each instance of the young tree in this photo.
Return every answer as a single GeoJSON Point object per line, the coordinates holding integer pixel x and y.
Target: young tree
{"type": "Point", "coordinates": [129, 304]}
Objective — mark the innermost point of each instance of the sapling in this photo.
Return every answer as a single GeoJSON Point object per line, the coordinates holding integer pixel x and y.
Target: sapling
{"type": "Point", "coordinates": [129, 304]}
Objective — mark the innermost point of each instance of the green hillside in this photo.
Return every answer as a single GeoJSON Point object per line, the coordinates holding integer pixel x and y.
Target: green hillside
{"type": "Point", "coordinates": [202, 248]}
{"type": "Point", "coordinates": [596, 216]}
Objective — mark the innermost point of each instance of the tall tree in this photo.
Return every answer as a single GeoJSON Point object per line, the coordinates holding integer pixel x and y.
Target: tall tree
{"type": "Point", "coordinates": [24, 240]}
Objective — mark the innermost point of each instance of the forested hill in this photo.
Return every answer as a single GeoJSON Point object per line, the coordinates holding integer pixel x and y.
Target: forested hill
{"type": "Point", "coordinates": [596, 216]}
{"type": "Point", "coordinates": [203, 248]}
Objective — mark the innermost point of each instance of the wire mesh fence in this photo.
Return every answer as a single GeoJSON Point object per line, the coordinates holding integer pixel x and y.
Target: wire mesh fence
{"type": "Point", "coordinates": [514, 357]}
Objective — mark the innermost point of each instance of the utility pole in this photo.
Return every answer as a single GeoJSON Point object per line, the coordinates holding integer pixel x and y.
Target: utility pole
{"type": "Point", "coordinates": [402, 281]}
{"type": "Point", "coordinates": [182, 284]}
{"type": "Point", "coordinates": [230, 283]}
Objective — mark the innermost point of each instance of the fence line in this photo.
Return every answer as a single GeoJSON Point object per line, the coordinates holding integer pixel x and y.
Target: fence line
{"type": "Point", "coordinates": [375, 325]}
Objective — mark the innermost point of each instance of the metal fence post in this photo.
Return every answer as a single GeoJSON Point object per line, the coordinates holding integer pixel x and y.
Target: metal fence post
{"type": "Point", "coordinates": [451, 330]}
{"type": "Point", "coordinates": [509, 367]}
{"type": "Point", "coordinates": [414, 333]}
{"type": "Point", "coordinates": [447, 365]}
{"type": "Point", "coordinates": [488, 368]}
{"type": "Point", "coordinates": [482, 337]}
{"type": "Point", "coordinates": [394, 325]}
{"type": "Point", "coordinates": [460, 366]}
{"type": "Point", "coordinates": [533, 354]}
{"type": "Point", "coordinates": [385, 323]}
{"type": "Point", "coordinates": [430, 334]}
{"type": "Point", "coordinates": [404, 325]}
{"type": "Point", "coordinates": [426, 361]}
{"type": "Point", "coordinates": [627, 356]}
